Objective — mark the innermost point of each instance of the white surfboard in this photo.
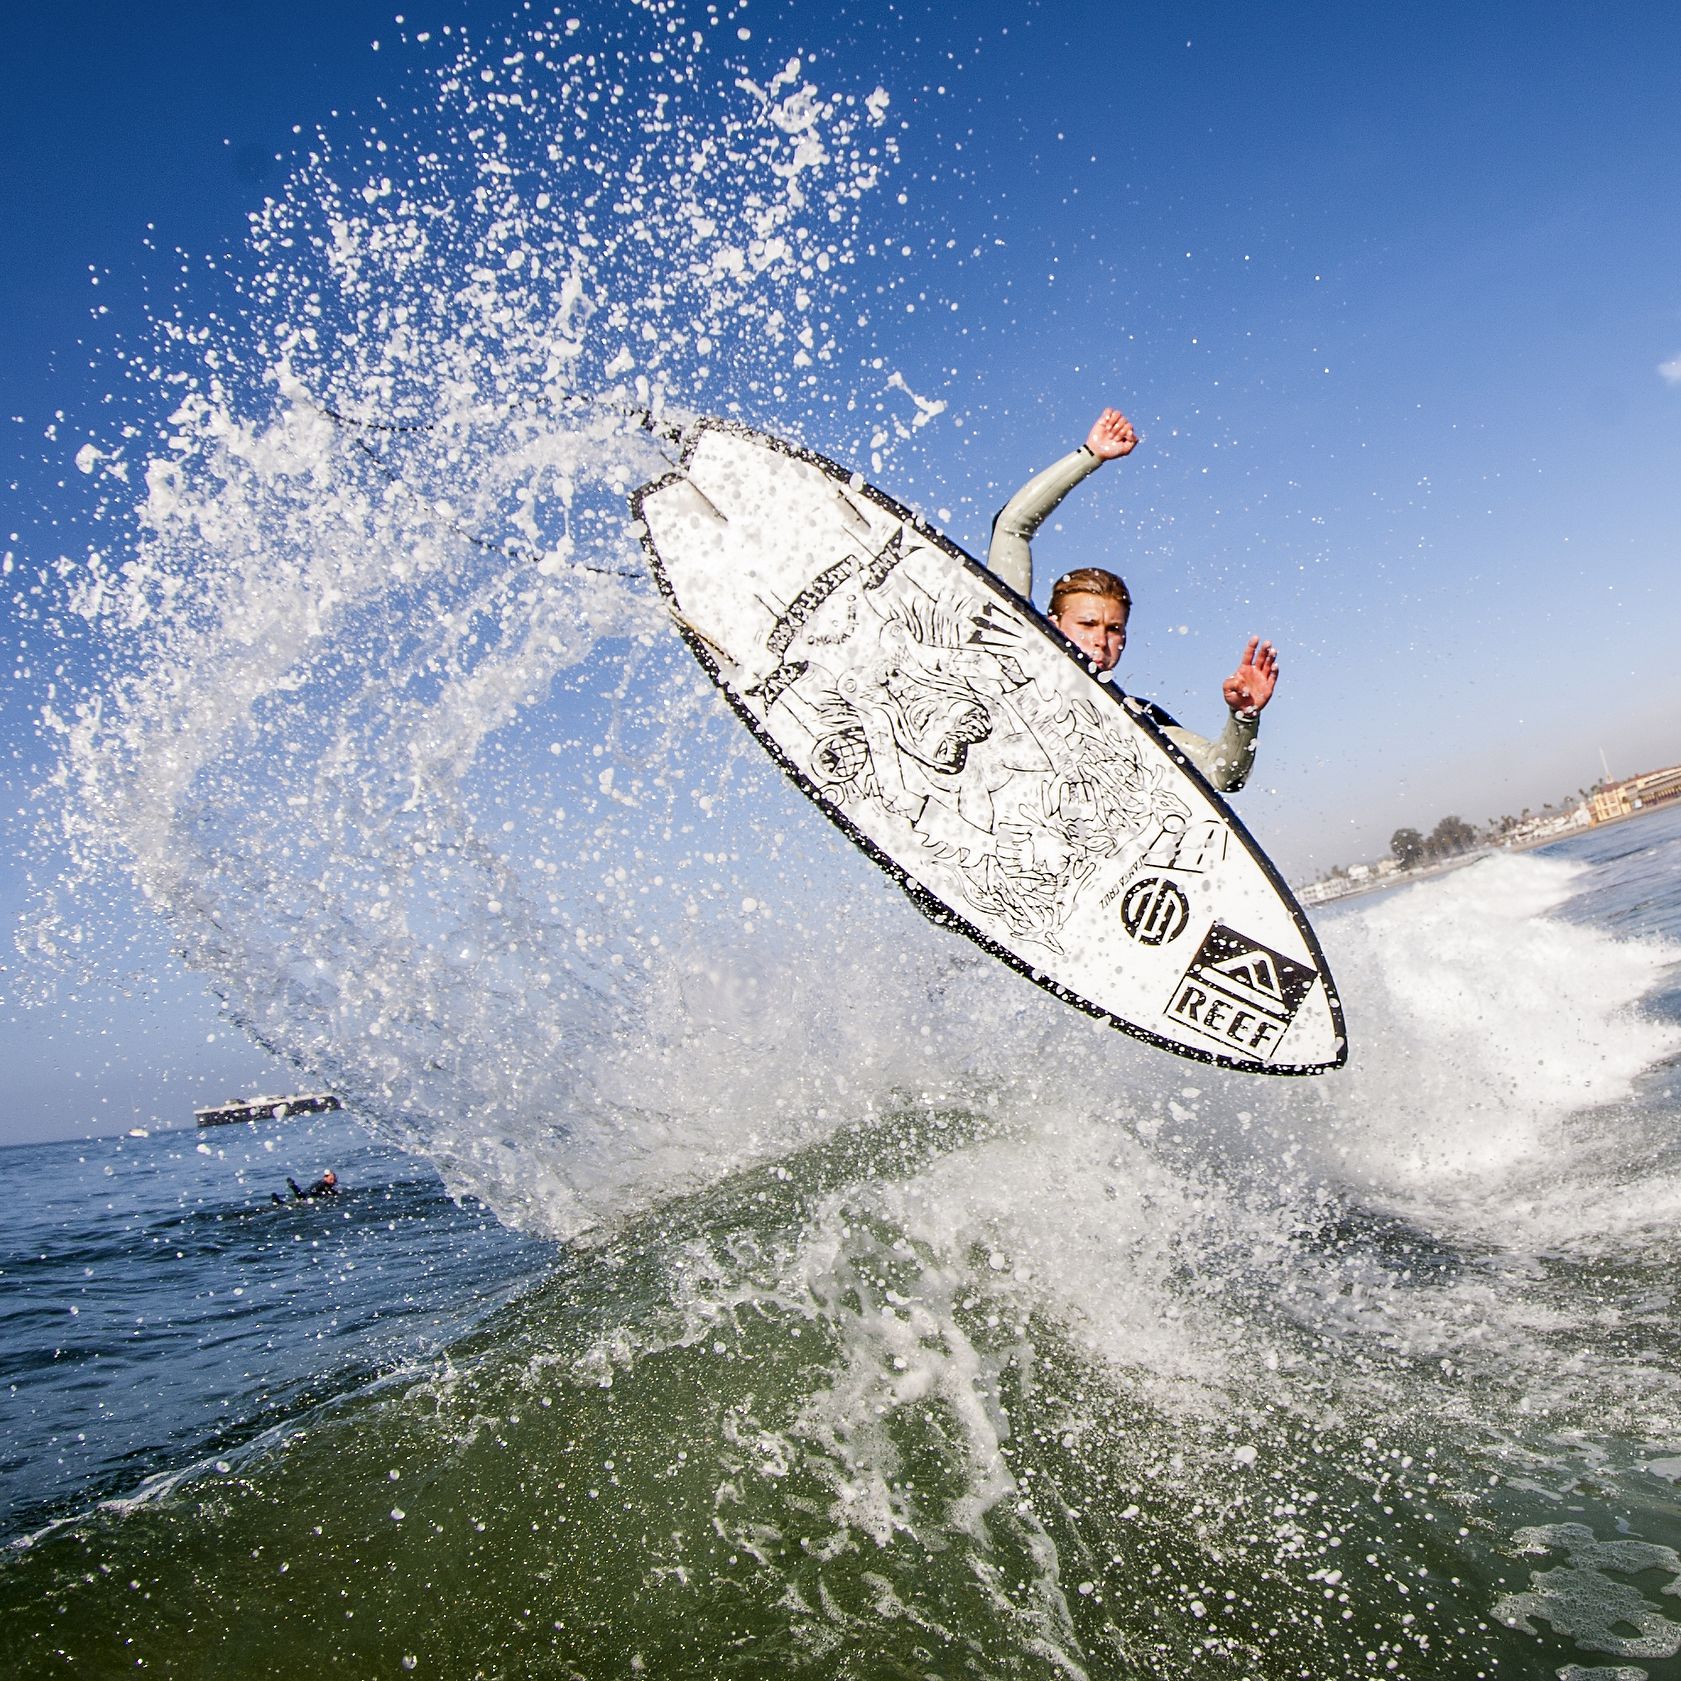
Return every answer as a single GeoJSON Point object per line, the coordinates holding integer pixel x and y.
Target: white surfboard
{"type": "Point", "coordinates": [963, 745]}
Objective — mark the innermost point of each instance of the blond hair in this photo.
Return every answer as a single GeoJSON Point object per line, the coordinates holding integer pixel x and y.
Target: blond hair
{"type": "Point", "coordinates": [1089, 580]}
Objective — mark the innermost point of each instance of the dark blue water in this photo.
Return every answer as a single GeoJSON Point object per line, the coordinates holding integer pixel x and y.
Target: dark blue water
{"type": "Point", "coordinates": [159, 1308]}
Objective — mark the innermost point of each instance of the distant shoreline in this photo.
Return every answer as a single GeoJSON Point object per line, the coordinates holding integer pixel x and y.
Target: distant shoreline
{"type": "Point", "coordinates": [1445, 866]}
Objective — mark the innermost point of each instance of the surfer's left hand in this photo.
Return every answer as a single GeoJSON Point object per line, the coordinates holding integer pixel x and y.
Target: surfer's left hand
{"type": "Point", "coordinates": [1250, 687]}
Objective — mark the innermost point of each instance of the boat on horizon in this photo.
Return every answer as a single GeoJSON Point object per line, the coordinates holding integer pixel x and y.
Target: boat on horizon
{"type": "Point", "coordinates": [265, 1108]}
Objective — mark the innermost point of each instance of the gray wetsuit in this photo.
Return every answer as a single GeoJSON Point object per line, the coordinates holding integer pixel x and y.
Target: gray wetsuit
{"type": "Point", "coordinates": [1224, 761]}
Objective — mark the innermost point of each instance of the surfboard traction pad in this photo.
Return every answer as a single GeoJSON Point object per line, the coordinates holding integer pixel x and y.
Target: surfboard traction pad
{"type": "Point", "coordinates": [960, 742]}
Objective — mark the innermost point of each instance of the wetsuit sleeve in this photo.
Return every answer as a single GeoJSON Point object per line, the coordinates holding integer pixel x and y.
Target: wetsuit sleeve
{"type": "Point", "coordinates": [1010, 554]}
{"type": "Point", "coordinates": [1226, 760]}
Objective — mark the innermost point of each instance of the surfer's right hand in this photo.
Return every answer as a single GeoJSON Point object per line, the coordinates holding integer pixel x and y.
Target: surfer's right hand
{"type": "Point", "coordinates": [1111, 436]}
{"type": "Point", "coordinates": [1250, 687]}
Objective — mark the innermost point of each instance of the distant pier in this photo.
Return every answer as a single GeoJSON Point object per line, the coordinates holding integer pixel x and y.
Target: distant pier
{"type": "Point", "coordinates": [266, 1108]}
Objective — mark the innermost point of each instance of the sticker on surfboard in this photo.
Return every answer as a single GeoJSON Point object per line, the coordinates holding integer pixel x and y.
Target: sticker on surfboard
{"type": "Point", "coordinates": [947, 730]}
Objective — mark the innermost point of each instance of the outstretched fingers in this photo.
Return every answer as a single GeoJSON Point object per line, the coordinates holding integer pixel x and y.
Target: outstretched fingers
{"type": "Point", "coordinates": [1250, 687]}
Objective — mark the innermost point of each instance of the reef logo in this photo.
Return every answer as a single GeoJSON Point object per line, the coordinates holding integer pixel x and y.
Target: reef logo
{"type": "Point", "coordinates": [1239, 993]}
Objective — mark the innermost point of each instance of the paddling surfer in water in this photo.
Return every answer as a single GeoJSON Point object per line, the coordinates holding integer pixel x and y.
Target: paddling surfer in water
{"type": "Point", "coordinates": [326, 1186]}
{"type": "Point", "coordinates": [1091, 606]}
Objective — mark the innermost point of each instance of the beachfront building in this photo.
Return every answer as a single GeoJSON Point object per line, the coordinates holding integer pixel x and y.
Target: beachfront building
{"type": "Point", "coordinates": [1635, 793]}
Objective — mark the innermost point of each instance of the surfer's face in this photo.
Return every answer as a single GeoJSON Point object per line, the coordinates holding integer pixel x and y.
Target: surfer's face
{"type": "Point", "coordinates": [1096, 625]}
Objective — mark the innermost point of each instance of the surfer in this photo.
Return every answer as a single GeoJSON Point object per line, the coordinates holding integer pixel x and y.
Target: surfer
{"type": "Point", "coordinates": [326, 1186]}
{"type": "Point", "coordinates": [1091, 607]}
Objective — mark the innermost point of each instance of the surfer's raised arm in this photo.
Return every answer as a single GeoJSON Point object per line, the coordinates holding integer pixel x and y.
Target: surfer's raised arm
{"type": "Point", "coordinates": [1010, 554]}
{"type": "Point", "coordinates": [1091, 606]}
{"type": "Point", "coordinates": [1225, 761]}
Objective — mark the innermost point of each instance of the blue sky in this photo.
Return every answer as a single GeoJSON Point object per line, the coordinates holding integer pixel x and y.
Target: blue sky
{"type": "Point", "coordinates": [1389, 295]}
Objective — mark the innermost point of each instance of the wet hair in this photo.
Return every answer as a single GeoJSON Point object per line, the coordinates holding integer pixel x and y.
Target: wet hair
{"type": "Point", "coordinates": [1089, 580]}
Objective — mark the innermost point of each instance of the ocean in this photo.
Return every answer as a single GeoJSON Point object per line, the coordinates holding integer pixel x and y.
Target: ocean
{"type": "Point", "coordinates": [1154, 1371]}
{"type": "Point", "coordinates": [736, 1275]}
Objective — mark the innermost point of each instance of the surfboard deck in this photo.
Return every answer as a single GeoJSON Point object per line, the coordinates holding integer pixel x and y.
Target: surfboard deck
{"type": "Point", "coordinates": [962, 744]}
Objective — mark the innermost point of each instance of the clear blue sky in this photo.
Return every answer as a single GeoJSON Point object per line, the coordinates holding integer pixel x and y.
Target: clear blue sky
{"type": "Point", "coordinates": [1390, 295]}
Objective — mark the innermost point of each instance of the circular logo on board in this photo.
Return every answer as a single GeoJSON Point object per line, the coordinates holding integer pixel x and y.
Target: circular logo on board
{"type": "Point", "coordinates": [1154, 911]}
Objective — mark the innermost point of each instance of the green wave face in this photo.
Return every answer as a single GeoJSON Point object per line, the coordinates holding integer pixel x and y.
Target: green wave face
{"type": "Point", "coordinates": [817, 1421]}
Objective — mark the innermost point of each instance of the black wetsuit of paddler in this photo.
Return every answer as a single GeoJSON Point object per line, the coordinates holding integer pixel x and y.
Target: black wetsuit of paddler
{"type": "Point", "coordinates": [321, 1188]}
